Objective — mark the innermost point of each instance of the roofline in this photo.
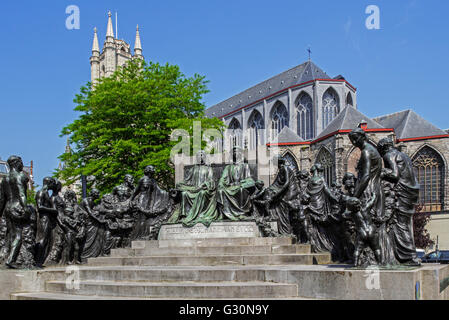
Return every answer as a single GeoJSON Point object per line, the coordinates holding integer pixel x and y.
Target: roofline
{"type": "Point", "coordinates": [423, 138]}
{"type": "Point", "coordinates": [290, 143]}
{"type": "Point", "coordinates": [286, 89]}
{"type": "Point", "coordinates": [349, 130]}
{"type": "Point", "coordinates": [391, 114]}
{"type": "Point", "coordinates": [344, 131]}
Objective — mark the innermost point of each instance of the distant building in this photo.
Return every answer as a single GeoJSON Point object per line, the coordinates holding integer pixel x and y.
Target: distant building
{"type": "Point", "coordinates": [115, 53]}
{"type": "Point", "coordinates": [76, 186]}
{"type": "Point", "coordinates": [4, 170]}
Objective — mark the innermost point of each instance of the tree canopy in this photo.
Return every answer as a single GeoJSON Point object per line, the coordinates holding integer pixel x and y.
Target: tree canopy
{"type": "Point", "coordinates": [126, 121]}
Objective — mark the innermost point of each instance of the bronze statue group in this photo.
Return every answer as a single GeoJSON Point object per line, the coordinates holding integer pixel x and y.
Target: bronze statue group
{"type": "Point", "coordinates": [370, 222]}
{"type": "Point", "coordinates": [61, 230]}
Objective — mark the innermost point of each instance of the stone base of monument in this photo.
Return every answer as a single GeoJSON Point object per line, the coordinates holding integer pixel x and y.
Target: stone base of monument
{"type": "Point", "coordinates": [223, 268]}
{"type": "Point", "coordinates": [227, 229]}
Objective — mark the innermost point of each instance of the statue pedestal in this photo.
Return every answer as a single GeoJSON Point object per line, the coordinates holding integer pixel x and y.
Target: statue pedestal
{"type": "Point", "coordinates": [222, 229]}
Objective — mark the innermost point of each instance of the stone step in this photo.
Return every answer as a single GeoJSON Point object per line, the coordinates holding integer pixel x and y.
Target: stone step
{"type": "Point", "coordinates": [219, 250]}
{"type": "Point", "coordinates": [267, 259]}
{"type": "Point", "coordinates": [212, 242]}
{"type": "Point", "coordinates": [155, 274]}
{"type": "Point", "coordinates": [63, 296]}
{"type": "Point", "coordinates": [191, 290]}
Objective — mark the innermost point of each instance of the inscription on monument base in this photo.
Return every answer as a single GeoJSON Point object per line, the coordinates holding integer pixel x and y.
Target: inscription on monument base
{"type": "Point", "coordinates": [215, 230]}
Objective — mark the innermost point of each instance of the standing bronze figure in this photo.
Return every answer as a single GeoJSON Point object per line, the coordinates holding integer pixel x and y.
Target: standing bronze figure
{"type": "Point", "coordinates": [369, 187]}
{"type": "Point", "coordinates": [74, 230]}
{"type": "Point", "coordinates": [318, 209]}
{"type": "Point", "coordinates": [58, 234]}
{"type": "Point", "coordinates": [15, 208]}
{"type": "Point", "coordinates": [48, 215]}
{"type": "Point", "coordinates": [284, 198]}
{"type": "Point", "coordinates": [399, 171]}
{"type": "Point", "coordinates": [95, 226]}
{"type": "Point", "coordinates": [151, 205]}
{"type": "Point", "coordinates": [122, 208]}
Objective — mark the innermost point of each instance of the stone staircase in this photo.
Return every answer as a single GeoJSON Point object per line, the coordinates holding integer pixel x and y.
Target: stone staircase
{"type": "Point", "coordinates": [230, 268]}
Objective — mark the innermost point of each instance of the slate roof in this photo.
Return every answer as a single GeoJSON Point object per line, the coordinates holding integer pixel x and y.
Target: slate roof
{"type": "Point", "coordinates": [304, 72]}
{"type": "Point", "coordinates": [287, 135]}
{"type": "Point", "coordinates": [347, 119]}
{"type": "Point", "coordinates": [408, 124]}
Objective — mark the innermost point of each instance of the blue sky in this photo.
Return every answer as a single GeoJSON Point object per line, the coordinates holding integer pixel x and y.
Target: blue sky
{"type": "Point", "coordinates": [235, 44]}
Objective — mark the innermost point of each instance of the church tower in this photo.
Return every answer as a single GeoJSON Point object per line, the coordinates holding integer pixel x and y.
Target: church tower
{"type": "Point", "coordinates": [115, 53]}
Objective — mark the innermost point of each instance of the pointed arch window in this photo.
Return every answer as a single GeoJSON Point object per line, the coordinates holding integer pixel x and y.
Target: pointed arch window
{"type": "Point", "coordinates": [304, 109]}
{"type": "Point", "coordinates": [3, 168]}
{"type": "Point", "coordinates": [256, 128]}
{"type": "Point", "coordinates": [429, 169]}
{"type": "Point", "coordinates": [327, 161]}
{"type": "Point", "coordinates": [349, 102]}
{"type": "Point", "coordinates": [279, 119]}
{"type": "Point", "coordinates": [291, 162]}
{"type": "Point", "coordinates": [331, 106]}
{"type": "Point", "coordinates": [235, 133]}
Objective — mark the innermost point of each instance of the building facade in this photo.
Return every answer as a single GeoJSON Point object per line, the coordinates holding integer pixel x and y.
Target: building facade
{"type": "Point", "coordinates": [307, 116]}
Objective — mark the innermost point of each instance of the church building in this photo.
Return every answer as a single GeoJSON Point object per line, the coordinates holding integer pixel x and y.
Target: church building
{"type": "Point", "coordinates": [307, 115]}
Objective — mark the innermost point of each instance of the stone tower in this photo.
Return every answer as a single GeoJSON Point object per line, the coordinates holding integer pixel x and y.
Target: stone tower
{"type": "Point", "coordinates": [115, 53]}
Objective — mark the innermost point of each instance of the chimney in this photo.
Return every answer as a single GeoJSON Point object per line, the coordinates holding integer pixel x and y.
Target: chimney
{"type": "Point", "coordinates": [363, 125]}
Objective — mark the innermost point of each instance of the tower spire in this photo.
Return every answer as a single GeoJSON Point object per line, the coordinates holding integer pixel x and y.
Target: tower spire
{"type": "Point", "coordinates": [110, 30]}
{"type": "Point", "coordinates": [138, 44]}
{"type": "Point", "coordinates": [95, 59]}
{"type": "Point", "coordinates": [95, 46]}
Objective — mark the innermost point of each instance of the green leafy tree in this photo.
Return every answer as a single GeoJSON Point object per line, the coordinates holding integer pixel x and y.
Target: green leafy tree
{"type": "Point", "coordinates": [126, 121]}
{"type": "Point", "coordinates": [31, 195]}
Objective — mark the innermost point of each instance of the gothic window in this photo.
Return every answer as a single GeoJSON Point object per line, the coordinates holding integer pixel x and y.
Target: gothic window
{"type": "Point", "coordinates": [327, 161]}
{"type": "Point", "coordinates": [429, 169]}
{"type": "Point", "coordinates": [331, 106]}
{"type": "Point", "coordinates": [353, 160]}
{"type": "Point", "coordinates": [3, 168]}
{"type": "Point", "coordinates": [304, 117]}
{"type": "Point", "coordinates": [256, 128]}
{"type": "Point", "coordinates": [349, 102]}
{"type": "Point", "coordinates": [235, 133]}
{"type": "Point", "coordinates": [279, 119]}
{"type": "Point", "coordinates": [291, 162]}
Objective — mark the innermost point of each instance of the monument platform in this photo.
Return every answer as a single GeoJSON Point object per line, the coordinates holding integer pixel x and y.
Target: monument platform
{"type": "Point", "coordinates": [223, 268]}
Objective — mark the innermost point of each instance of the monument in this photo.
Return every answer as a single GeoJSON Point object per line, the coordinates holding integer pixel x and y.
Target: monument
{"type": "Point", "coordinates": [369, 225]}
{"type": "Point", "coordinates": [220, 214]}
